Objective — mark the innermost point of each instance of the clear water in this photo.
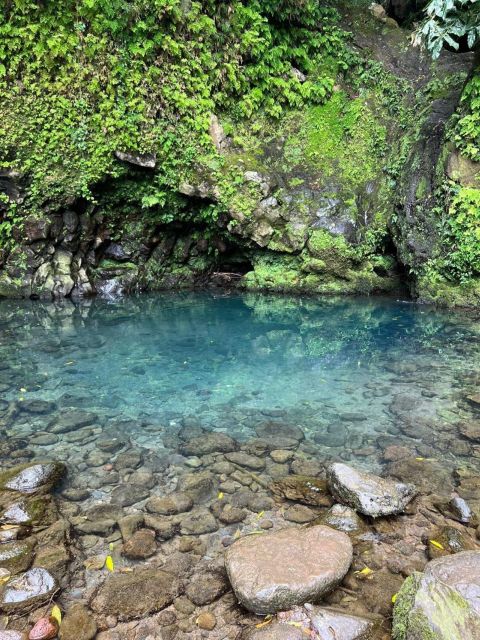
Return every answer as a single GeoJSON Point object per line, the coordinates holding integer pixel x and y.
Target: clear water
{"type": "Point", "coordinates": [350, 373]}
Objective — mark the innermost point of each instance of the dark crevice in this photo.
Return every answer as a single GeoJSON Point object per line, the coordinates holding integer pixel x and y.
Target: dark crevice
{"type": "Point", "coordinates": [405, 12]}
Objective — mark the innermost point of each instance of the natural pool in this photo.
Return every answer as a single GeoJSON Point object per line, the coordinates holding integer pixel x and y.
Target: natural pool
{"type": "Point", "coordinates": [352, 374]}
{"type": "Point", "coordinates": [188, 421]}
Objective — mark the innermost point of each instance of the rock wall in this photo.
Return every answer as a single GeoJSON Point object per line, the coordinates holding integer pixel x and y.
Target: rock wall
{"type": "Point", "coordinates": [336, 198]}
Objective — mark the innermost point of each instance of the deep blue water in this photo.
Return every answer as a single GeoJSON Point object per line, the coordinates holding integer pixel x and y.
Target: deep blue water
{"type": "Point", "coordinates": [148, 365]}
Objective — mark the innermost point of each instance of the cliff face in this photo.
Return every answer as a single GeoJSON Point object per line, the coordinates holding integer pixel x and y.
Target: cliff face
{"type": "Point", "coordinates": [339, 196]}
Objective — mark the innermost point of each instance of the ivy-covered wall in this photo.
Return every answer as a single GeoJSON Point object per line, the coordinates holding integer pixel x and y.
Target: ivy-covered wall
{"type": "Point", "coordinates": [267, 145]}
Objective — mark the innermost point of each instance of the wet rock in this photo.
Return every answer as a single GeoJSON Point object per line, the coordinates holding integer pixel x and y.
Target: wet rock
{"type": "Point", "coordinates": [330, 623]}
{"type": "Point", "coordinates": [144, 160]}
{"type": "Point", "coordinates": [304, 489]}
{"type": "Point", "coordinates": [44, 439]}
{"type": "Point", "coordinates": [470, 430]}
{"type": "Point", "coordinates": [275, 571]}
{"type": "Point", "coordinates": [37, 406]}
{"type": "Point", "coordinates": [165, 528]}
{"type": "Point", "coordinates": [281, 456]}
{"type": "Point", "coordinates": [170, 505]}
{"type": "Point", "coordinates": [367, 493]}
{"type": "Point", "coordinates": [130, 459]}
{"type": "Point", "coordinates": [246, 460]}
{"type": "Point", "coordinates": [197, 523]}
{"type": "Point", "coordinates": [142, 477]}
{"type": "Point", "coordinates": [110, 446]}
{"type": "Point", "coordinates": [205, 588]}
{"type": "Point", "coordinates": [444, 541]}
{"type": "Point", "coordinates": [78, 624]}
{"type": "Point", "coordinates": [300, 514]}
{"type": "Point", "coordinates": [429, 476]}
{"type": "Point", "coordinates": [27, 591]}
{"type": "Point", "coordinates": [461, 510]}
{"type": "Point", "coordinates": [32, 478]}
{"type": "Point", "coordinates": [441, 603]}
{"type": "Point", "coordinates": [213, 441]}
{"type": "Point", "coordinates": [44, 629]}
{"type": "Point", "coordinates": [474, 400]}
{"type": "Point", "coordinates": [24, 512]}
{"type": "Point", "coordinates": [274, 631]}
{"type": "Point", "coordinates": [129, 524]}
{"type": "Point", "coordinates": [231, 515]}
{"type": "Point", "coordinates": [342, 518]}
{"type": "Point", "coordinates": [141, 545]}
{"type": "Point", "coordinates": [126, 495]}
{"type": "Point", "coordinates": [199, 485]}
{"type": "Point", "coordinates": [206, 621]}
{"type": "Point", "coordinates": [12, 635]}
{"type": "Point", "coordinates": [274, 430]}
{"type": "Point", "coordinates": [73, 419]}
{"type": "Point", "coordinates": [76, 495]}
{"type": "Point", "coordinates": [16, 556]}
{"type": "Point", "coordinates": [137, 594]}
{"type": "Point", "coordinates": [306, 467]}
{"type": "Point", "coordinates": [97, 527]}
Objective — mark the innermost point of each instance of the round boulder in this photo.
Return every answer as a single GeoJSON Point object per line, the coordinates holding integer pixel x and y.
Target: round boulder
{"type": "Point", "coordinates": [275, 571]}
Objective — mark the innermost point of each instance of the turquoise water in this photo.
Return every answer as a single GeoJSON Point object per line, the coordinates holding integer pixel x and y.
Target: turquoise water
{"type": "Point", "coordinates": [353, 374]}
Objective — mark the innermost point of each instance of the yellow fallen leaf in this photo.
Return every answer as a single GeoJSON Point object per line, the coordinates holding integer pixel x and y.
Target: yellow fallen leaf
{"type": "Point", "coordinates": [237, 534]}
{"type": "Point", "coordinates": [366, 571]}
{"type": "Point", "coordinates": [437, 544]}
{"type": "Point", "coordinates": [57, 614]}
{"type": "Point", "coordinates": [126, 570]}
{"type": "Point", "coordinates": [267, 620]}
{"type": "Point", "coordinates": [259, 515]}
{"type": "Point", "coordinates": [110, 546]}
{"type": "Point", "coordinates": [23, 390]}
{"type": "Point", "coordinates": [220, 495]}
{"type": "Point", "coordinates": [420, 459]}
{"type": "Point", "coordinates": [394, 597]}
{"type": "Point", "coordinates": [109, 564]}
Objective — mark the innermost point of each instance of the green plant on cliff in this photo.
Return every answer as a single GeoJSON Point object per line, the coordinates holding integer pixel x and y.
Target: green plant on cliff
{"type": "Point", "coordinates": [80, 79]}
{"type": "Point", "coordinates": [462, 231]}
{"type": "Point", "coordinates": [448, 22]}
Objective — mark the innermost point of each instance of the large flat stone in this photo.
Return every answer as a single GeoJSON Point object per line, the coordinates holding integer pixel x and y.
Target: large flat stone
{"type": "Point", "coordinates": [27, 591]}
{"type": "Point", "coordinates": [135, 595]}
{"type": "Point", "coordinates": [30, 478]}
{"type": "Point", "coordinates": [275, 571]}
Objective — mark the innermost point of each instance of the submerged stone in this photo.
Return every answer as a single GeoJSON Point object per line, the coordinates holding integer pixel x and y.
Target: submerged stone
{"type": "Point", "coordinates": [32, 478]}
{"type": "Point", "coordinates": [342, 518]}
{"type": "Point", "coordinates": [275, 571]}
{"type": "Point", "coordinates": [78, 624]}
{"type": "Point", "coordinates": [137, 594]}
{"type": "Point", "coordinates": [27, 591]}
{"type": "Point", "coordinates": [443, 603]}
{"type": "Point", "coordinates": [214, 441]}
{"type": "Point", "coordinates": [367, 493]}
{"type": "Point", "coordinates": [307, 490]}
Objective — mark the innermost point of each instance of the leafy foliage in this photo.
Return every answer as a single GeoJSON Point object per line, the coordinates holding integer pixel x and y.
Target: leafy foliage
{"type": "Point", "coordinates": [467, 129]}
{"type": "Point", "coordinates": [447, 22]}
{"type": "Point", "coordinates": [80, 79]}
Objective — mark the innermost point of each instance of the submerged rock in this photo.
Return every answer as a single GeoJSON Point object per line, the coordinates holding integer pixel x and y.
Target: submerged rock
{"type": "Point", "coordinates": [16, 556]}
{"type": "Point", "coordinates": [304, 489]}
{"type": "Point", "coordinates": [275, 571]}
{"type": "Point", "coordinates": [214, 441]}
{"type": "Point", "coordinates": [78, 624]}
{"type": "Point", "coordinates": [27, 591]}
{"type": "Point", "coordinates": [342, 518]}
{"type": "Point", "coordinates": [136, 594]}
{"type": "Point", "coordinates": [170, 505]}
{"type": "Point", "coordinates": [141, 545]}
{"type": "Point", "coordinates": [367, 493]}
{"type": "Point", "coordinates": [32, 478]}
{"type": "Point", "coordinates": [443, 603]}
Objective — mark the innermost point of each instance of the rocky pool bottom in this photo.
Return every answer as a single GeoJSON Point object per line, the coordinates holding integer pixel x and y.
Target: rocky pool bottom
{"type": "Point", "coordinates": [177, 468]}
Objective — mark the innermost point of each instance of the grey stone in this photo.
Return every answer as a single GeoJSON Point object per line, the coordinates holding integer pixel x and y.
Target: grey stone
{"type": "Point", "coordinates": [367, 493]}
{"type": "Point", "coordinates": [32, 478]}
{"type": "Point", "coordinates": [27, 591]}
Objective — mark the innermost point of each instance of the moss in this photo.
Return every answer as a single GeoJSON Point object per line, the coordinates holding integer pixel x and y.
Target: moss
{"type": "Point", "coordinates": [403, 606]}
{"type": "Point", "coordinates": [434, 288]}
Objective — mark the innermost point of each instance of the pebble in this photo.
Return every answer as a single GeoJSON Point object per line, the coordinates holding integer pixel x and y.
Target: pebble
{"type": "Point", "coordinates": [206, 621]}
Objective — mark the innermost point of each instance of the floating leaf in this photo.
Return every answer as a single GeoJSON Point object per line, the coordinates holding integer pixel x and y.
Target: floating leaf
{"type": "Point", "coordinates": [220, 495]}
{"type": "Point", "coordinates": [57, 614]}
{"type": "Point", "coordinates": [109, 564]}
{"type": "Point", "coordinates": [23, 390]}
{"type": "Point", "coordinates": [437, 544]}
